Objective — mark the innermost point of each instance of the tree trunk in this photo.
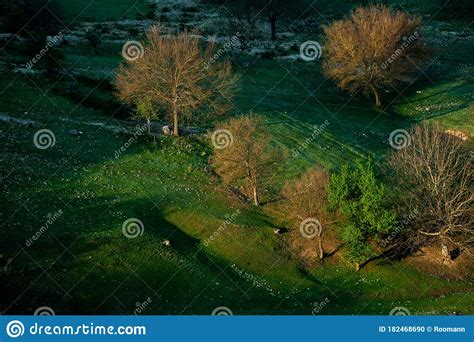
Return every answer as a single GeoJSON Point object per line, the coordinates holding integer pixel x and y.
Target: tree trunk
{"type": "Point", "coordinates": [175, 120]}
{"type": "Point", "coordinates": [334, 251]}
{"type": "Point", "coordinates": [320, 248]}
{"type": "Point", "coordinates": [255, 196]}
{"type": "Point", "coordinates": [445, 252]}
{"type": "Point", "coordinates": [376, 95]}
{"type": "Point", "coordinates": [320, 245]}
{"type": "Point", "coordinates": [148, 126]}
{"type": "Point", "coordinates": [247, 9]}
{"type": "Point", "coordinates": [273, 18]}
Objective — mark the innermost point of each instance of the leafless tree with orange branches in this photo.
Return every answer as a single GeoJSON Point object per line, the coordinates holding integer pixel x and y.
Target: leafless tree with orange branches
{"type": "Point", "coordinates": [373, 48]}
{"type": "Point", "coordinates": [176, 78]}
{"type": "Point", "coordinates": [306, 198]}
{"type": "Point", "coordinates": [249, 161]}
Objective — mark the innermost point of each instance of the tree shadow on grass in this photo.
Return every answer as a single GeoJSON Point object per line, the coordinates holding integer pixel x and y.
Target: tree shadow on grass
{"type": "Point", "coordinates": [449, 89]}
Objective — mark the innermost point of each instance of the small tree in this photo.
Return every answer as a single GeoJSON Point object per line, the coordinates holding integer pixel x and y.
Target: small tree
{"type": "Point", "coordinates": [144, 110]}
{"type": "Point", "coordinates": [363, 202]}
{"type": "Point", "coordinates": [373, 48]}
{"type": "Point", "coordinates": [248, 160]}
{"type": "Point", "coordinates": [306, 197]}
{"type": "Point", "coordinates": [435, 176]}
{"type": "Point", "coordinates": [174, 76]}
{"type": "Point", "coordinates": [244, 31]}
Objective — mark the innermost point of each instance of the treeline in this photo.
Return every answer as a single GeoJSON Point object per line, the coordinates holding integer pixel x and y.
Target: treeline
{"type": "Point", "coordinates": [273, 10]}
{"type": "Point", "coordinates": [276, 11]}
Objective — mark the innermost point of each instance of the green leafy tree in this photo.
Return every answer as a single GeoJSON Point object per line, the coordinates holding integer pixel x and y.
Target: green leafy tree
{"type": "Point", "coordinates": [362, 200]}
{"type": "Point", "coordinates": [144, 110]}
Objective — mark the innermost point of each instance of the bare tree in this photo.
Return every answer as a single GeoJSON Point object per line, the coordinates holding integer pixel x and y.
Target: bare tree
{"type": "Point", "coordinates": [373, 48]}
{"type": "Point", "coordinates": [248, 160]}
{"type": "Point", "coordinates": [276, 9]}
{"type": "Point", "coordinates": [435, 176]}
{"type": "Point", "coordinates": [306, 198]}
{"type": "Point", "coordinates": [244, 31]}
{"type": "Point", "coordinates": [176, 78]}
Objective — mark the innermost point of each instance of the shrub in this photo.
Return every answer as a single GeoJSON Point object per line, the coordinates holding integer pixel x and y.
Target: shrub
{"type": "Point", "coordinates": [362, 200]}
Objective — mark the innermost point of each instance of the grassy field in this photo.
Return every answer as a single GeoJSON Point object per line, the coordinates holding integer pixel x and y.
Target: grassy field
{"type": "Point", "coordinates": [84, 264]}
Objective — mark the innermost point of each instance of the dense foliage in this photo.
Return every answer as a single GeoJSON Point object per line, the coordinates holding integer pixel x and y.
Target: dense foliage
{"type": "Point", "coordinates": [363, 202]}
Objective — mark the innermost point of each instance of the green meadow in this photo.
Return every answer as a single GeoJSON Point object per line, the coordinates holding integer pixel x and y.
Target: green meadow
{"type": "Point", "coordinates": [83, 264]}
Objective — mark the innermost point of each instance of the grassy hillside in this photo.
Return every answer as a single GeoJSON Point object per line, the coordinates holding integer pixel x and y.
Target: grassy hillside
{"type": "Point", "coordinates": [83, 263]}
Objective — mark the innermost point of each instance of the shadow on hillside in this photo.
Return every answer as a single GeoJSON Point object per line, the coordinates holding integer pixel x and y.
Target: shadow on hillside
{"type": "Point", "coordinates": [448, 90]}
